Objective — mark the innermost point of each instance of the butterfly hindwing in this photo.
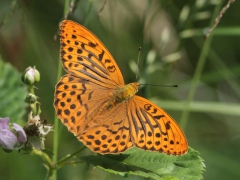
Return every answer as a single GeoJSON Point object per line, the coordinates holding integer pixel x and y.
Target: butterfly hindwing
{"type": "Point", "coordinates": [77, 101]}
{"type": "Point", "coordinates": [109, 133]}
{"type": "Point", "coordinates": [153, 129]}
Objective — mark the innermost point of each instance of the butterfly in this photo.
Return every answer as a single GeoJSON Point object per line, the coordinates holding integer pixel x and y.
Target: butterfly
{"type": "Point", "coordinates": [94, 103]}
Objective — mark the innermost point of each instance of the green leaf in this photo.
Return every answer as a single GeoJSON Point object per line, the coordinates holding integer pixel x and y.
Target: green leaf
{"type": "Point", "coordinates": [150, 164]}
{"type": "Point", "coordinates": [12, 92]}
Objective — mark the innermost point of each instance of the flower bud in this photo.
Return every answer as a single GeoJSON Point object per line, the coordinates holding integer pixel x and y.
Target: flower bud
{"type": "Point", "coordinates": [31, 98]}
{"type": "Point", "coordinates": [30, 76]}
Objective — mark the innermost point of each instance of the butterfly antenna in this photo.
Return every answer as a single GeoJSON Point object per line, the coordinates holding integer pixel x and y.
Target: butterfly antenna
{"type": "Point", "coordinates": [139, 50]}
{"type": "Point", "coordinates": [160, 85]}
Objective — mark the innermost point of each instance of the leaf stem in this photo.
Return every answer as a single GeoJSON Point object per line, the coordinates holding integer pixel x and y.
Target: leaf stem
{"type": "Point", "coordinates": [63, 160]}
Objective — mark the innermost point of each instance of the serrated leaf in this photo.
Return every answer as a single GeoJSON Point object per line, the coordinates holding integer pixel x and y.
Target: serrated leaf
{"type": "Point", "coordinates": [12, 92]}
{"type": "Point", "coordinates": [150, 164]}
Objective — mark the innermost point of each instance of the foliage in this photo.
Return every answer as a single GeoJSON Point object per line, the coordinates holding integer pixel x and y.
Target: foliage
{"type": "Point", "coordinates": [12, 92]}
{"type": "Point", "coordinates": [174, 51]}
{"type": "Point", "coordinates": [150, 164]}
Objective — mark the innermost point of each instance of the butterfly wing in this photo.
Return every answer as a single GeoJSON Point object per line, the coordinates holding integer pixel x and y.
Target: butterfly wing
{"type": "Point", "coordinates": [77, 101]}
{"type": "Point", "coordinates": [81, 97]}
{"type": "Point", "coordinates": [153, 129]}
{"type": "Point", "coordinates": [84, 55]}
{"type": "Point", "coordinates": [109, 132]}
{"type": "Point", "coordinates": [79, 104]}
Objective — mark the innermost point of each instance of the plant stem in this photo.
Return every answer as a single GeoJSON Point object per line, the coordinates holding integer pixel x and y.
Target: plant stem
{"type": "Point", "coordinates": [43, 155]}
{"type": "Point", "coordinates": [31, 89]}
{"type": "Point", "coordinates": [196, 77]}
{"type": "Point", "coordinates": [88, 13]}
{"type": "Point", "coordinates": [49, 164]}
{"type": "Point", "coordinates": [56, 121]}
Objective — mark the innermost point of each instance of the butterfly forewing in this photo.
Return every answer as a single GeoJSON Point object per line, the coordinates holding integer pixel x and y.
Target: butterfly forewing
{"type": "Point", "coordinates": [85, 56]}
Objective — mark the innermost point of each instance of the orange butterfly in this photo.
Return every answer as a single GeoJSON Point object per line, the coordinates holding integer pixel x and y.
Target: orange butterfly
{"type": "Point", "coordinates": [97, 107]}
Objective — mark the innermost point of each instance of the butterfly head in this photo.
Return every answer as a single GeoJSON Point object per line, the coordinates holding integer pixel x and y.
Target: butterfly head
{"type": "Point", "coordinates": [134, 86]}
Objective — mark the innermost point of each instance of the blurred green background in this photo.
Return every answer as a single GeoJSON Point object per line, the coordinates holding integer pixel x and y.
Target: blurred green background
{"type": "Point", "coordinates": [174, 51]}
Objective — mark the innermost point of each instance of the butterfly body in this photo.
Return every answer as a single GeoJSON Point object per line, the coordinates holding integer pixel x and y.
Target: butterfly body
{"type": "Point", "coordinates": [97, 107]}
{"type": "Point", "coordinates": [125, 92]}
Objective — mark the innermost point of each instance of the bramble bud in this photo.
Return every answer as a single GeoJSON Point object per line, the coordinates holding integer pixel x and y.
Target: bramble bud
{"type": "Point", "coordinates": [31, 98]}
{"type": "Point", "coordinates": [30, 76]}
